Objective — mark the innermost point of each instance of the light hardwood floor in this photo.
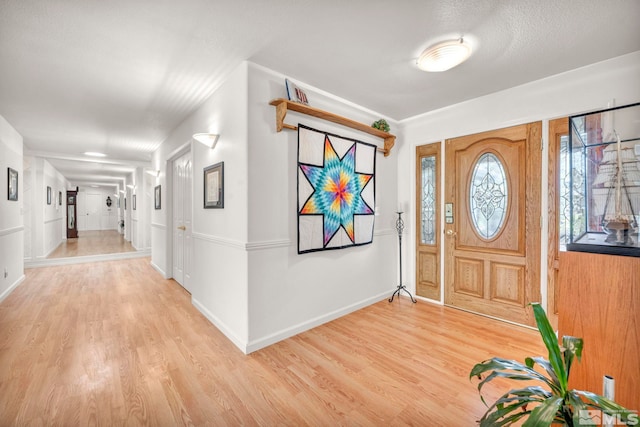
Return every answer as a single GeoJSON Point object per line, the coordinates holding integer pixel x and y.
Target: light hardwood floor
{"type": "Point", "coordinates": [112, 343]}
{"type": "Point", "coordinates": [92, 243]}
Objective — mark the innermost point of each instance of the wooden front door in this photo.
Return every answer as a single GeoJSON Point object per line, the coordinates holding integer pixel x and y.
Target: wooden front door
{"type": "Point", "coordinates": [492, 222]}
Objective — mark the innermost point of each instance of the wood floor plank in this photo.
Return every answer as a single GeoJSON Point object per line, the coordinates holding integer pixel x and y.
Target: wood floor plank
{"type": "Point", "coordinates": [113, 343]}
{"type": "Point", "coordinates": [95, 242]}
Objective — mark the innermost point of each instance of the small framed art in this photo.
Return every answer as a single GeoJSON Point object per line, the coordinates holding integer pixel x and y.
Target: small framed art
{"type": "Point", "coordinates": [295, 93]}
{"type": "Point", "coordinates": [157, 195]}
{"type": "Point", "coordinates": [214, 186]}
{"type": "Point", "coordinates": [48, 195]}
{"type": "Point", "coordinates": [133, 202]}
{"type": "Point", "coordinates": [12, 184]}
{"type": "Point", "coordinates": [59, 198]}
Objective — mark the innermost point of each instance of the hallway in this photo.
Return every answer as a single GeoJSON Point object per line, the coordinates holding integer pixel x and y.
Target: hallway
{"type": "Point", "coordinates": [92, 243]}
{"type": "Point", "coordinates": [112, 343]}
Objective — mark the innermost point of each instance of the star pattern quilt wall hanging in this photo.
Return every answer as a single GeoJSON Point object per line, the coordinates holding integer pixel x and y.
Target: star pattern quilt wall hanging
{"type": "Point", "coordinates": [336, 191]}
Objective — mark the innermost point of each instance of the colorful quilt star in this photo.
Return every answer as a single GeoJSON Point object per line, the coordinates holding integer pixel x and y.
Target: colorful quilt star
{"type": "Point", "coordinates": [336, 191]}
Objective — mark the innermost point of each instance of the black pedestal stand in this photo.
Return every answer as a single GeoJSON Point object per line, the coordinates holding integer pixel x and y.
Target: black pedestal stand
{"type": "Point", "coordinates": [401, 287]}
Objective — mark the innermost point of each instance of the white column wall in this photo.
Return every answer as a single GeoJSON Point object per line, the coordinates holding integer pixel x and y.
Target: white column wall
{"type": "Point", "coordinates": [11, 218]}
{"type": "Point", "coordinates": [219, 275]}
{"type": "Point", "coordinates": [585, 89]}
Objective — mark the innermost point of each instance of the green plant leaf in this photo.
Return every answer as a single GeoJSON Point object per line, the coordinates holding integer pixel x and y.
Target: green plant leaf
{"type": "Point", "coordinates": [544, 363]}
{"type": "Point", "coordinates": [572, 348]}
{"type": "Point", "coordinates": [551, 342]}
{"type": "Point", "coordinates": [545, 413]}
{"type": "Point", "coordinates": [521, 372]}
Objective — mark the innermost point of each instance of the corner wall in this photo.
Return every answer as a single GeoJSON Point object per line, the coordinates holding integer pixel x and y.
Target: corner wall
{"type": "Point", "coordinates": [219, 267]}
{"type": "Point", "coordinates": [11, 212]}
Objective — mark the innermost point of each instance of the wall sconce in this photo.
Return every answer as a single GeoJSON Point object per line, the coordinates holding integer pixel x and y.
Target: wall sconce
{"type": "Point", "coordinates": [208, 139]}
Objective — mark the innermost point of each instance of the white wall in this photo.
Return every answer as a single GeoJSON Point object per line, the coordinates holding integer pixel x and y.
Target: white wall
{"type": "Point", "coordinates": [45, 223]}
{"type": "Point", "coordinates": [288, 292]}
{"type": "Point", "coordinates": [585, 89]}
{"type": "Point", "coordinates": [11, 219]}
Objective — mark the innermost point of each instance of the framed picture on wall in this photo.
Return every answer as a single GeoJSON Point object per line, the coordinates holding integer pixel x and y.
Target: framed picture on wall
{"type": "Point", "coordinates": [12, 184]}
{"type": "Point", "coordinates": [133, 203]}
{"type": "Point", "coordinates": [214, 186]}
{"type": "Point", "coordinates": [125, 203]}
{"type": "Point", "coordinates": [48, 195]}
{"type": "Point", "coordinates": [157, 194]}
{"type": "Point", "coordinates": [59, 198]}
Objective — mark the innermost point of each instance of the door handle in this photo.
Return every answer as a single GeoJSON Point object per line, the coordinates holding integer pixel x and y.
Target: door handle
{"type": "Point", "coordinates": [182, 227]}
{"type": "Point", "coordinates": [451, 233]}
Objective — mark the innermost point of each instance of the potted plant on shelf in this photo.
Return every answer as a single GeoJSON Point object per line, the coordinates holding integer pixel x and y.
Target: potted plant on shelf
{"type": "Point", "coordinates": [551, 403]}
{"type": "Point", "coordinates": [381, 125]}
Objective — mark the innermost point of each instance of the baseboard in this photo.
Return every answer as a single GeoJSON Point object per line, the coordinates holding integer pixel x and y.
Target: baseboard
{"type": "Point", "coordinates": [12, 287]}
{"type": "Point", "coordinates": [255, 345]}
{"type": "Point", "coordinates": [159, 270]}
{"type": "Point", "coordinates": [220, 325]}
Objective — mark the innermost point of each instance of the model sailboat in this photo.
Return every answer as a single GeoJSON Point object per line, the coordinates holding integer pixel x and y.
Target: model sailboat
{"type": "Point", "coordinates": [616, 193]}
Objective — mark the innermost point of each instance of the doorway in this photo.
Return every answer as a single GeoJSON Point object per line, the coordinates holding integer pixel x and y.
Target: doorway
{"type": "Point", "coordinates": [182, 174]}
{"type": "Point", "coordinates": [492, 235]}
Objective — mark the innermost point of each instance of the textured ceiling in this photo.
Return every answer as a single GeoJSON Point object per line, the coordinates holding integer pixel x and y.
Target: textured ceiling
{"type": "Point", "coordinates": [117, 76]}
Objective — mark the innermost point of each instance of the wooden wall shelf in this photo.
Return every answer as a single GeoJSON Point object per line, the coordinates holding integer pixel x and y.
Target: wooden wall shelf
{"type": "Point", "coordinates": [283, 105]}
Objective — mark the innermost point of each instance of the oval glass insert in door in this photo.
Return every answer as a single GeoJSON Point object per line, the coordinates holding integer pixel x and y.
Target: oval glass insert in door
{"type": "Point", "coordinates": [488, 196]}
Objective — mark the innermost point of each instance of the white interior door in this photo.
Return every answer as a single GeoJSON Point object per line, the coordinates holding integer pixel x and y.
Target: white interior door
{"type": "Point", "coordinates": [93, 211]}
{"type": "Point", "coordinates": [182, 209]}
{"type": "Point", "coordinates": [81, 210]}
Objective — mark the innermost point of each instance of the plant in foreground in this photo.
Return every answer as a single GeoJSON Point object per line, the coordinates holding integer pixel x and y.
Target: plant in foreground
{"type": "Point", "coordinates": [551, 402]}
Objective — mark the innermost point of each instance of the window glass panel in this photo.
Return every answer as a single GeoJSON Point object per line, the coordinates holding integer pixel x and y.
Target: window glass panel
{"type": "Point", "coordinates": [488, 196]}
{"type": "Point", "coordinates": [428, 201]}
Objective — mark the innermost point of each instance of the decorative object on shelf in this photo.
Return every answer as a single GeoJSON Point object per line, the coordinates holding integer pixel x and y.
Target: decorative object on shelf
{"type": "Point", "coordinates": [553, 402]}
{"type": "Point", "coordinates": [48, 195]}
{"type": "Point", "coordinates": [336, 191]}
{"type": "Point", "coordinates": [157, 194]}
{"type": "Point", "coordinates": [12, 184]}
{"type": "Point", "coordinates": [214, 186]}
{"type": "Point", "coordinates": [601, 182]}
{"type": "Point", "coordinates": [109, 202]}
{"type": "Point", "coordinates": [295, 93]}
{"type": "Point", "coordinates": [282, 106]}
{"type": "Point", "coordinates": [381, 125]}
{"type": "Point", "coordinates": [401, 287]}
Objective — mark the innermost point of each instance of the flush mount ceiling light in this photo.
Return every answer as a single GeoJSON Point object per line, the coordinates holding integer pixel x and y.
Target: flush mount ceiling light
{"type": "Point", "coordinates": [94, 154]}
{"type": "Point", "coordinates": [208, 139]}
{"type": "Point", "coordinates": [444, 56]}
